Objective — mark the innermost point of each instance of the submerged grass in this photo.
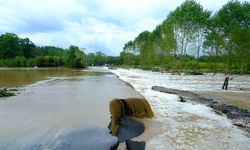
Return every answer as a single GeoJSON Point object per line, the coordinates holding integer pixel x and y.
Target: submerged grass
{"type": "Point", "coordinates": [6, 93]}
{"type": "Point", "coordinates": [131, 107]}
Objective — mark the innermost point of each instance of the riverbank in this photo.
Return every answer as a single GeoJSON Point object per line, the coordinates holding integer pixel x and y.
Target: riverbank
{"type": "Point", "coordinates": [178, 125]}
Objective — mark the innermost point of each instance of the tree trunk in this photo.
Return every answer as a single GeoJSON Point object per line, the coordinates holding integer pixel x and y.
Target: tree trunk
{"type": "Point", "coordinates": [198, 56]}
{"type": "Point", "coordinates": [199, 42]}
{"type": "Point", "coordinates": [215, 61]}
{"type": "Point", "coordinates": [229, 61]}
{"type": "Point", "coordinates": [174, 51]}
{"type": "Point", "coordinates": [182, 47]}
{"type": "Point", "coordinates": [185, 48]}
{"type": "Point", "coordinates": [242, 64]}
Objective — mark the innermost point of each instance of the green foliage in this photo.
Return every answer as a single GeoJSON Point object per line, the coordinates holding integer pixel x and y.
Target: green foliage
{"type": "Point", "coordinates": [18, 52]}
{"type": "Point", "coordinates": [27, 47]}
{"type": "Point", "coordinates": [190, 65]}
{"type": "Point", "coordinates": [129, 59]}
{"type": "Point", "coordinates": [75, 57]}
{"type": "Point", "coordinates": [9, 46]}
{"type": "Point", "coordinates": [189, 30]}
{"type": "Point", "coordinates": [47, 61]}
{"type": "Point", "coordinates": [233, 22]}
{"type": "Point", "coordinates": [51, 51]}
{"type": "Point", "coordinates": [100, 59]}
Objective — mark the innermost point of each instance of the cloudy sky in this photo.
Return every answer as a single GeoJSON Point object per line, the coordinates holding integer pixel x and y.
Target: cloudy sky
{"type": "Point", "coordinates": [97, 25]}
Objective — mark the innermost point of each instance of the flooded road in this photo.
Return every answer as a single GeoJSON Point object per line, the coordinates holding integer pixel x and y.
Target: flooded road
{"type": "Point", "coordinates": [186, 125]}
{"type": "Point", "coordinates": [59, 108]}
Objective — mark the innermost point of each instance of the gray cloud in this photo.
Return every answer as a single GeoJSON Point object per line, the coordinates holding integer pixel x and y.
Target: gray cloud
{"type": "Point", "coordinates": [103, 25]}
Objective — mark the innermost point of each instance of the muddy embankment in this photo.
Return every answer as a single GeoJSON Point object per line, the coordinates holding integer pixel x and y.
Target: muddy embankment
{"type": "Point", "coordinates": [123, 125]}
{"type": "Point", "coordinates": [240, 117]}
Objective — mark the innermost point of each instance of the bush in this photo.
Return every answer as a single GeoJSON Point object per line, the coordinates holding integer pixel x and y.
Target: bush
{"type": "Point", "coordinates": [190, 65]}
{"type": "Point", "coordinates": [39, 61]}
{"type": "Point", "coordinates": [30, 62]}
{"type": "Point", "coordinates": [75, 58]}
{"type": "Point", "coordinates": [20, 62]}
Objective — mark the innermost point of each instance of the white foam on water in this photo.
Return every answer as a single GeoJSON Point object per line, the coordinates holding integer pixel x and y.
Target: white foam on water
{"type": "Point", "coordinates": [187, 125]}
{"type": "Point", "coordinates": [97, 69]}
{"type": "Point", "coordinates": [207, 82]}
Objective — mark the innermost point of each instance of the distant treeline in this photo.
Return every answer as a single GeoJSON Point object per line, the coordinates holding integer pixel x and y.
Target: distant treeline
{"type": "Point", "coordinates": [18, 52]}
{"type": "Point", "coordinates": [192, 38]}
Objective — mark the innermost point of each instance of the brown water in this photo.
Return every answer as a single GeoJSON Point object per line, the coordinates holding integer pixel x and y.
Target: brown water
{"type": "Point", "coordinates": [59, 108]}
{"type": "Point", "coordinates": [15, 77]}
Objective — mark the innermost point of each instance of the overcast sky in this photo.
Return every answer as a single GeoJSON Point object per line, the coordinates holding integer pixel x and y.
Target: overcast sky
{"type": "Point", "coordinates": [97, 25]}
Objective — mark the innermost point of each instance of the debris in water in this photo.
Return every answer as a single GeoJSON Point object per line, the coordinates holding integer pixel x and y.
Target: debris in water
{"type": "Point", "coordinates": [182, 99]}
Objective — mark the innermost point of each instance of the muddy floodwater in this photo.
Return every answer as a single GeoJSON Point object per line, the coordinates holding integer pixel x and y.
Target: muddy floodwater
{"type": "Point", "coordinates": [59, 108]}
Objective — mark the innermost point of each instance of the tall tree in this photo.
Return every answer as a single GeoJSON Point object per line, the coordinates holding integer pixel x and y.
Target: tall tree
{"type": "Point", "coordinates": [232, 19]}
{"type": "Point", "coordinates": [27, 47]}
{"type": "Point", "coordinates": [9, 46]}
{"type": "Point", "coordinates": [213, 42]}
{"type": "Point", "coordinates": [75, 57]}
{"type": "Point", "coordinates": [169, 42]}
{"type": "Point", "coordinates": [144, 43]}
{"type": "Point", "coordinates": [189, 21]}
{"type": "Point", "coordinates": [128, 52]}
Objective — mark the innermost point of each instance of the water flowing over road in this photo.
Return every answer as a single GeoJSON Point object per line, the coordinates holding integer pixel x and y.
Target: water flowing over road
{"type": "Point", "coordinates": [187, 125]}
{"type": "Point", "coordinates": [59, 108]}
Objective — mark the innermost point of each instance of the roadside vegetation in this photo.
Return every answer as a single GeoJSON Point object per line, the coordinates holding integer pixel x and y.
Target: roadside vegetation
{"type": "Point", "coordinates": [190, 39]}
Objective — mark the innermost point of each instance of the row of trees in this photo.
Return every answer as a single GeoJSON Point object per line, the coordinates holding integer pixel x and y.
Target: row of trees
{"type": "Point", "coordinates": [18, 52]}
{"type": "Point", "coordinates": [192, 36]}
